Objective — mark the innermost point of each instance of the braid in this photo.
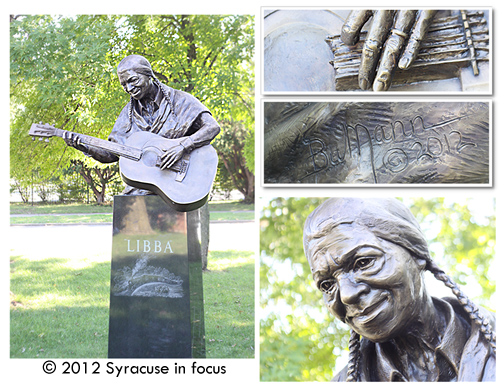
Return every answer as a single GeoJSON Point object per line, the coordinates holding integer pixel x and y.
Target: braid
{"type": "Point", "coordinates": [166, 95]}
{"type": "Point", "coordinates": [130, 115]}
{"type": "Point", "coordinates": [353, 360]}
{"type": "Point", "coordinates": [467, 304]}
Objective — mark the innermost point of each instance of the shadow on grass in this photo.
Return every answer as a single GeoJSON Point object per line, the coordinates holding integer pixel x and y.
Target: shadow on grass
{"type": "Point", "coordinates": [59, 332]}
{"type": "Point", "coordinates": [58, 311]}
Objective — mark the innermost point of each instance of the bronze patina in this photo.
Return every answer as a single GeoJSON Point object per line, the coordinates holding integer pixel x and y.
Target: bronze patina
{"type": "Point", "coordinates": [407, 47]}
{"type": "Point", "coordinates": [369, 257]}
{"type": "Point", "coordinates": [376, 143]}
{"type": "Point", "coordinates": [165, 113]}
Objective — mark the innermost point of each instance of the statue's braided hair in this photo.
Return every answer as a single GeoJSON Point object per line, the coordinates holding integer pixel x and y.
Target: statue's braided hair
{"type": "Point", "coordinates": [354, 357]}
{"type": "Point", "coordinates": [166, 95]}
{"type": "Point", "coordinates": [471, 309]}
{"type": "Point", "coordinates": [390, 220]}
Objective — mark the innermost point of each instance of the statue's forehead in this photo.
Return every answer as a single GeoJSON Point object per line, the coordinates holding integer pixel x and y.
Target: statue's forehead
{"type": "Point", "coordinates": [125, 74]}
{"type": "Point", "coordinates": [338, 243]}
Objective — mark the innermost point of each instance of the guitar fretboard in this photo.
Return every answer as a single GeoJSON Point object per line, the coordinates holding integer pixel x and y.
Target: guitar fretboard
{"type": "Point", "coordinates": [113, 147]}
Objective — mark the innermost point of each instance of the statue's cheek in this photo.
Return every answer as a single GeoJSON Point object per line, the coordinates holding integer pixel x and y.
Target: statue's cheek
{"type": "Point", "coordinates": [335, 306]}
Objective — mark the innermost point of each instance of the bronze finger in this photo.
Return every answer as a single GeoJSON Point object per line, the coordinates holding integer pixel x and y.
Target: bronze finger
{"type": "Point", "coordinates": [393, 48]}
{"type": "Point", "coordinates": [380, 27]}
{"type": "Point", "coordinates": [350, 31]}
{"type": "Point", "coordinates": [418, 32]}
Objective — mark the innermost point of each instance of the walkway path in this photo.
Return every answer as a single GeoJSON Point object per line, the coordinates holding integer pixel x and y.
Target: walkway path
{"type": "Point", "coordinates": [38, 242]}
{"type": "Point", "coordinates": [80, 214]}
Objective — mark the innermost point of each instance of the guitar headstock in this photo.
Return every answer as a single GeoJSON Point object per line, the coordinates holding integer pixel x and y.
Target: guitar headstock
{"type": "Point", "coordinates": [42, 131]}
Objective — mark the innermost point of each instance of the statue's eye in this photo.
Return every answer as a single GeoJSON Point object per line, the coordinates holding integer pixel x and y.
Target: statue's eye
{"type": "Point", "coordinates": [364, 262]}
{"type": "Point", "coordinates": [132, 80]}
{"type": "Point", "coordinates": [327, 285]}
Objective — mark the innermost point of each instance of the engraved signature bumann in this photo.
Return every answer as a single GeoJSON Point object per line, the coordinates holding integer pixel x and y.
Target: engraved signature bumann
{"type": "Point", "coordinates": [400, 145]}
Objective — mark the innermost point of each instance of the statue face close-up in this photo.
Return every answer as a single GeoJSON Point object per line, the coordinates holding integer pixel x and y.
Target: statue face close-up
{"type": "Point", "coordinates": [373, 285]}
{"type": "Point", "coordinates": [135, 84]}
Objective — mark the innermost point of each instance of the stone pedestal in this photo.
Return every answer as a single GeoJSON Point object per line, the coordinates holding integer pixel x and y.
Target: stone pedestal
{"type": "Point", "coordinates": [156, 290]}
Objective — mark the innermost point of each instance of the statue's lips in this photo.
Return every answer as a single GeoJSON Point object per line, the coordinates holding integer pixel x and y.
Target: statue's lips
{"type": "Point", "coordinates": [369, 313]}
{"type": "Point", "coordinates": [135, 92]}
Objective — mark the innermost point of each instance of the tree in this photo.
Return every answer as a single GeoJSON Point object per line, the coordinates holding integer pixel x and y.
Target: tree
{"type": "Point", "coordinates": [300, 341]}
{"type": "Point", "coordinates": [233, 168]}
{"type": "Point", "coordinates": [22, 189]}
{"type": "Point", "coordinates": [210, 56]}
{"type": "Point", "coordinates": [97, 178]}
{"type": "Point", "coordinates": [61, 73]}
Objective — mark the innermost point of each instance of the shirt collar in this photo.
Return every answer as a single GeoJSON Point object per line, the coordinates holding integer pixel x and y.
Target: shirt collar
{"type": "Point", "coordinates": [157, 101]}
{"type": "Point", "coordinates": [449, 350]}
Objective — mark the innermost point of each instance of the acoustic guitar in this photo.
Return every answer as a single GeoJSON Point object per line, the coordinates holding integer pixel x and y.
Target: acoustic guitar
{"type": "Point", "coordinates": [185, 186]}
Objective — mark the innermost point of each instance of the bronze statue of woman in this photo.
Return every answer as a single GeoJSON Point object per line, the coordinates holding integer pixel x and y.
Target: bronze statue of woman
{"type": "Point", "coordinates": [368, 257]}
{"type": "Point", "coordinates": [156, 108]}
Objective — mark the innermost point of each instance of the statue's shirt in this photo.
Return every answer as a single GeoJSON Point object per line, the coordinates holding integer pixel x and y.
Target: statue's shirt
{"type": "Point", "coordinates": [172, 114]}
{"type": "Point", "coordinates": [462, 354]}
{"type": "Point", "coordinates": [175, 114]}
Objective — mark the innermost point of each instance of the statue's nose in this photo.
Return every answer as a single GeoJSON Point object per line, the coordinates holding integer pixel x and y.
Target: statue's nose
{"type": "Point", "coordinates": [128, 87]}
{"type": "Point", "coordinates": [350, 290]}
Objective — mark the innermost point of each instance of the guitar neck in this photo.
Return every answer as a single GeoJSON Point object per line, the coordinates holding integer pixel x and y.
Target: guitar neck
{"type": "Point", "coordinates": [112, 147]}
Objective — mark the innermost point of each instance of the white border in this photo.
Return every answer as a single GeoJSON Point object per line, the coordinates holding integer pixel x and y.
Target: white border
{"type": "Point", "coordinates": [26, 373]}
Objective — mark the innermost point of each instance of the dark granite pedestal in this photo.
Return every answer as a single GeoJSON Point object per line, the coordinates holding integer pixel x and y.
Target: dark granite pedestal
{"type": "Point", "coordinates": [156, 290]}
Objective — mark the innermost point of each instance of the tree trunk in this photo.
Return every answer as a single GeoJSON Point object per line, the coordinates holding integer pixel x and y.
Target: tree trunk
{"type": "Point", "coordinates": [24, 194]}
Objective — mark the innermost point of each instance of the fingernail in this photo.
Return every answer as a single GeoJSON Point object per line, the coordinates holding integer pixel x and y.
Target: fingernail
{"type": "Point", "coordinates": [379, 86]}
{"type": "Point", "coordinates": [363, 84]}
{"type": "Point", "coordinates": [347, 36]}
{"type": "Point", "coordinates": [404, 62]}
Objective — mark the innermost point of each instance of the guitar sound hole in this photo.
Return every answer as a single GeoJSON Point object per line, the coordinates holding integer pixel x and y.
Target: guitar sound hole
{"type": "Point", "coordinates": [149, 158]}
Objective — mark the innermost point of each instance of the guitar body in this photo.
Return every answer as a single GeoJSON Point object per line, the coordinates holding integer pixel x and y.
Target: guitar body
{"type": "Point", "coordinates": [184, 186]}
{"type": "Point", "coordinates": [182, 193]}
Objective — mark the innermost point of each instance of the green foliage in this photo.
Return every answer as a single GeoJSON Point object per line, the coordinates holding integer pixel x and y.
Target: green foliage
{"type": "Point", "coordinates": [462, 240]}
{"type": "Point", "coordinates": [62, 74]}
{"type": "Point", "coordinates": [70, 187]}
{"type": "Point", "coordinates": [209, 56]}
{"type": "Point", "coordinates": [300, 341]}
{"type": "Point", "coordinates": [233, 171]}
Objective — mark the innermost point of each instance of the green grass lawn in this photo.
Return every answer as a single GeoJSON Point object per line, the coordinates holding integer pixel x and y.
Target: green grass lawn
{"type": "Point", "coordinates": [45, 213]}
{"type": "Point", "coordinates": [59, 208]}
{"type": "Point", "coordinates": [49, 219]}
{"type": "Point", "coordinates": [59, 307]}
{"type": "Point", "coordinates": [81, 208]}
{"type": "Point", "coordinates": [230, 205]}
{"type": "Point", "coordinates": [229, 304]}
{"type": "Point", "coordinates": [107, 218]}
